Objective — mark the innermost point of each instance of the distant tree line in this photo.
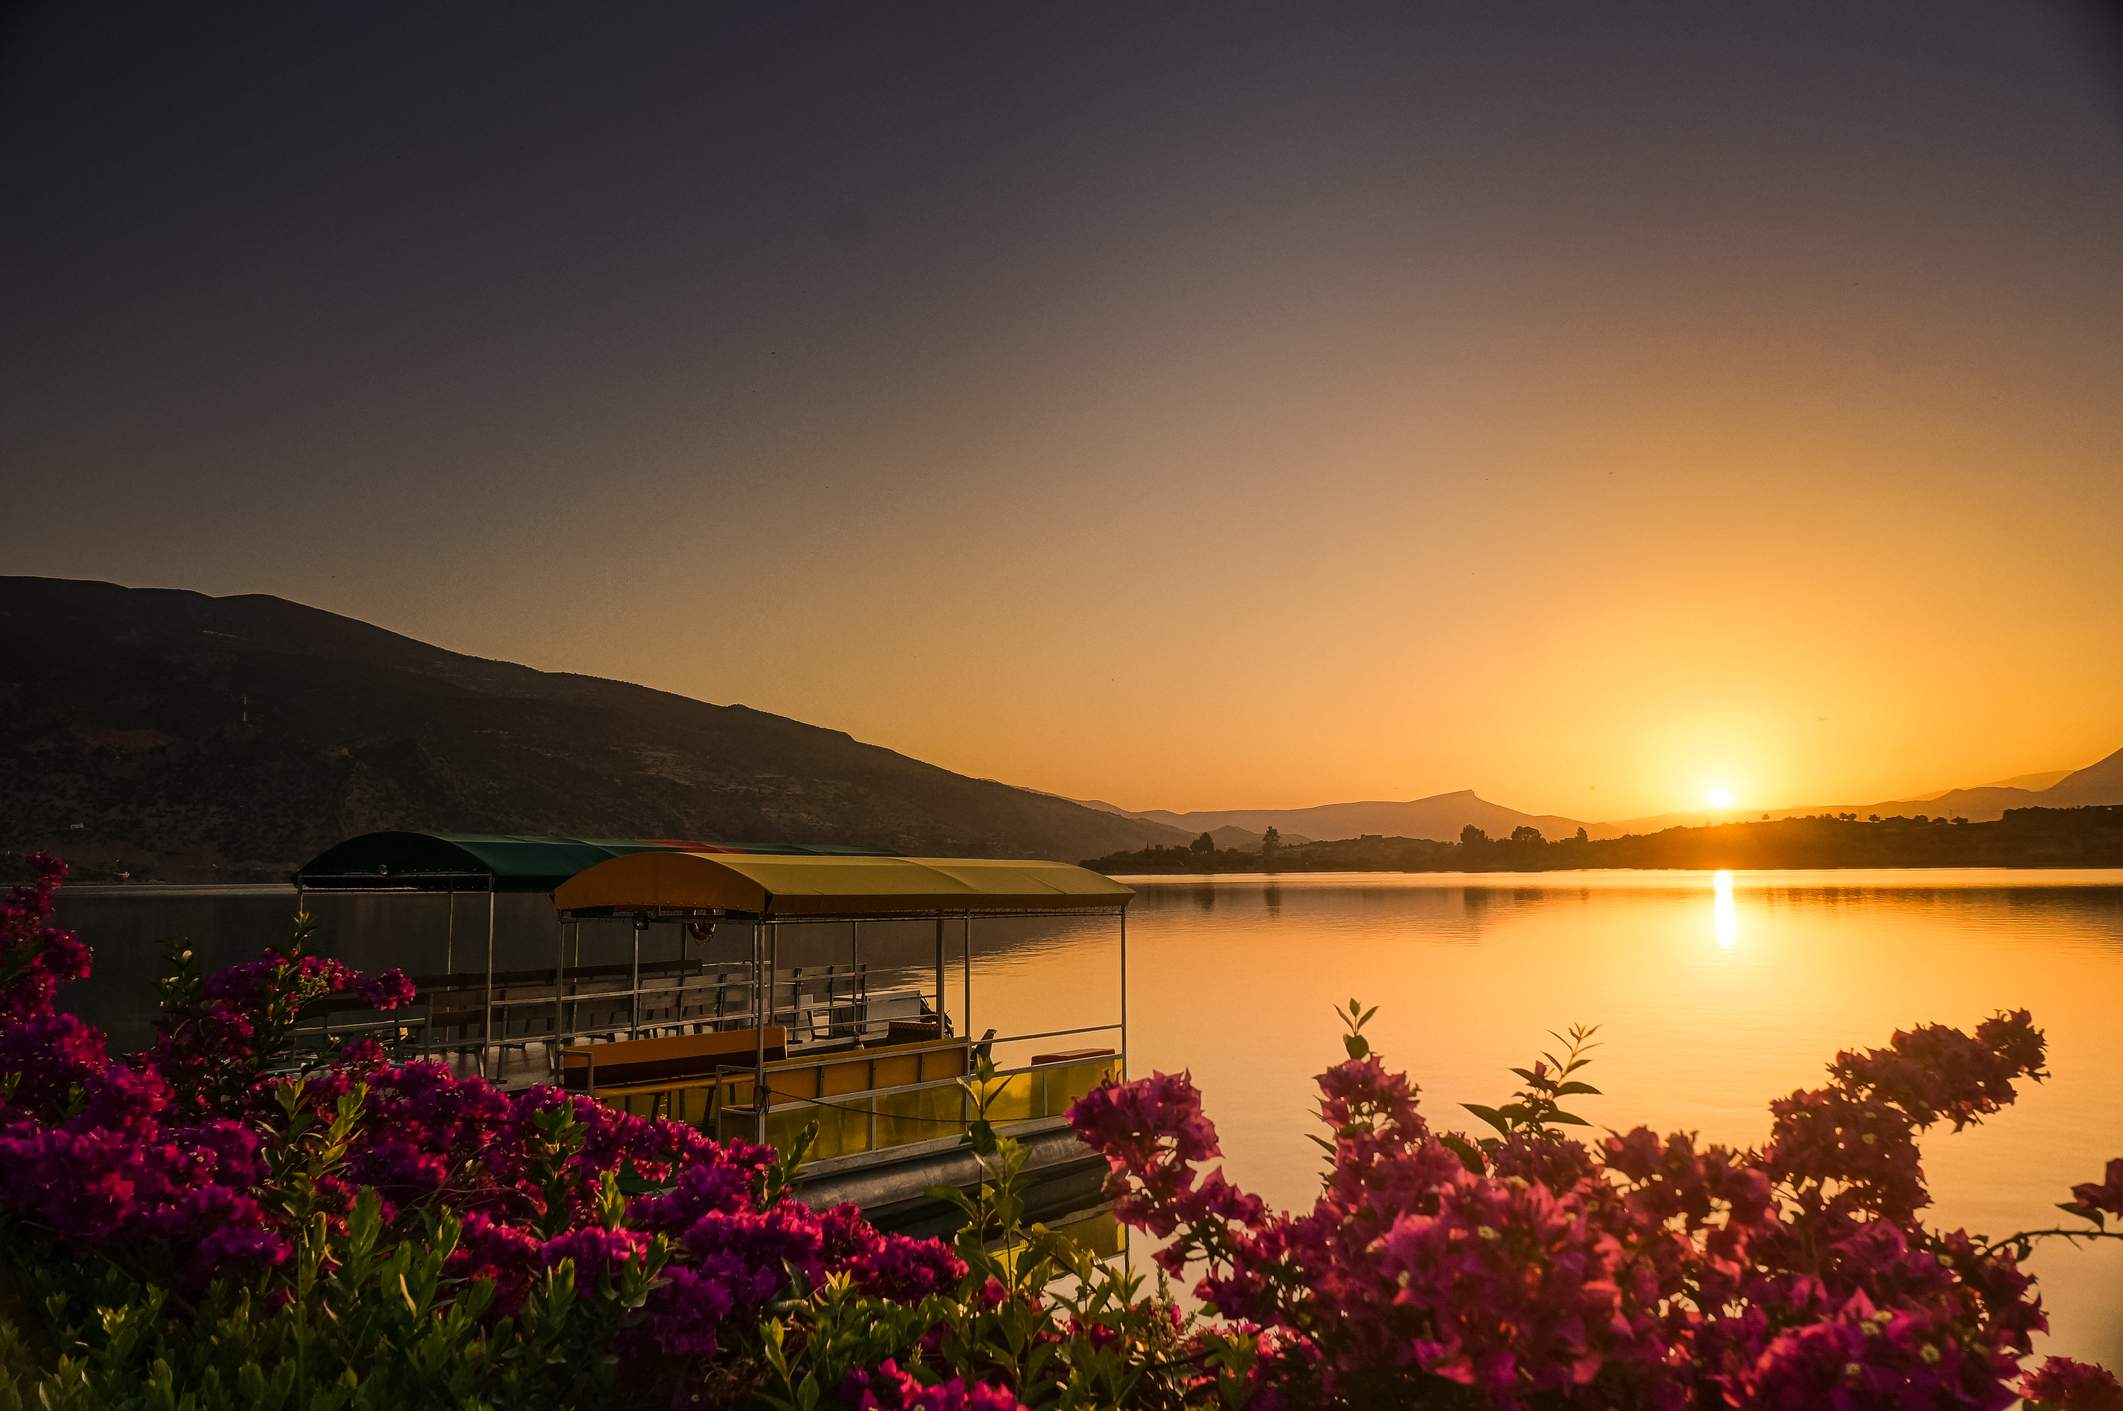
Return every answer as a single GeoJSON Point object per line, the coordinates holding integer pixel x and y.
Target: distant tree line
{"type": "Point", "coordinates": [2024, 837]}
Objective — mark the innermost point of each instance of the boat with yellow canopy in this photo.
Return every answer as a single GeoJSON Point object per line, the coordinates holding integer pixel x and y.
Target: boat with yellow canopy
{"type": "Point", "coordinates": [753, 990]}
{"type": "Point", "coordinates": [875, 1070]}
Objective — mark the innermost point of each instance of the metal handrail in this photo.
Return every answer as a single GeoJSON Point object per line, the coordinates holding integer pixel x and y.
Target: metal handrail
{"type": "Point", "coordinates": [1053, 1034]}
{"type": "Point", "coordinates": [865, 1102]}
{"type": "Point", "coordinates": [724, 1075]}
{"type": "Point", "coordinates": [832, 976]}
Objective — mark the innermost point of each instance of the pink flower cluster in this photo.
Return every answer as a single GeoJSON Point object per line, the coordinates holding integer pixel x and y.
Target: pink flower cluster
{"type": "Point", "coordinates": [1854, 1142]}
{"type": "Point", "coordinates": [888, 1388]}
{"type": "Point", "coordinates": [36, 957]}
{"type": "Point", "coordinates": [162, 1163]}
{"type": "Point", "coordinates": [302, 979]}
{"type": "Point", "coordinates": [1154, 1133]}
{"type": "Point", "coordinates": [2096, 1199]}
{"type": "Point", "coordinates": [1643, 1271]}
{"type": "Point", "coordinates": [2065, 1385]}
{"type": "Point", "coordinates": [88, 1150]}
{"type": "Point", "coordinates": [215, 1049]}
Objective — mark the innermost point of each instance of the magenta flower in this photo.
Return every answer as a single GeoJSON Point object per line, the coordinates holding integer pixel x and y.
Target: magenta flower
{"type": "Point", "coordinates": [2064, 1385]}
{"type": "Point", "coordinates": [887, 1388]}
{"type": "Point", "coordinates": [2104, 1196]}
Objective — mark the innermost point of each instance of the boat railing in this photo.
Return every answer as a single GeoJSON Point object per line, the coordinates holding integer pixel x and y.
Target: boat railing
{"type": "Point", "coordinates": [906, 1117]}
{"type": "Point", "coordinates": [1055, 1034]}
{"type": "Point", "coordinates": [527, 1011]}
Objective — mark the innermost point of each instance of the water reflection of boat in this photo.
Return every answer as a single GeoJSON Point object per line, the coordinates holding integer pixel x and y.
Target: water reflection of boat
{"type": "Point", "coordinates": [738, 997]}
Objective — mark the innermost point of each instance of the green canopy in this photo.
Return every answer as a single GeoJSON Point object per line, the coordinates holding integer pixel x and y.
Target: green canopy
{"type": "Point", "coordinates": [504, 862]}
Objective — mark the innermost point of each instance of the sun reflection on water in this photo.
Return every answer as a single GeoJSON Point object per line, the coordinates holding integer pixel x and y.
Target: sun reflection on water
{"type": "Point", "coordinates": [1724, 915]}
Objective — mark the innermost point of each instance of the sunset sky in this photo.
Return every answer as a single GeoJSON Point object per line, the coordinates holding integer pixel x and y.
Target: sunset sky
{"type": "Point", "coordinates": [1191, 407]}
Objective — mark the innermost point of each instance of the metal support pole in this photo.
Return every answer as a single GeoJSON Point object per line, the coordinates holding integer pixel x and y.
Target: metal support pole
{"type": "Point", "coordinates": [759, 1036]}
{"type": "Point", "coordinates": [1124, 994]}
{"type": "Point", "coordinates": [774, 971]}
{"type": "Point", "coordinates": [486, 1027]}
{"type": "Point", "coordinates": [942, 1022]}
{"type": "Point", "coordinates": [676, 1017]}
{"type": "Point", "coordinates": [560, 989]}
{"type": "Point", "coordinates": [449, 934]}
{"type": "Point", "coordinates": [641, 924]}
{"type": "Point", "coordinates": [965, 956]}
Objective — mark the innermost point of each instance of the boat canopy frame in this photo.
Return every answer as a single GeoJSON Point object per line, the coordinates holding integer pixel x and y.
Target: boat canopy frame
{"type": "Point", "coordinates": [449, 864]}
{"type": "Point", "coordinates": [698, 884]}
{"type": "Point", "coordinates": [772, 891]}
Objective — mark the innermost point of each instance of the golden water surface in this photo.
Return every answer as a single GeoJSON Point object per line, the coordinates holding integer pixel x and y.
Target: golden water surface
{"type": "Point", "coordinates": [1714, 992]}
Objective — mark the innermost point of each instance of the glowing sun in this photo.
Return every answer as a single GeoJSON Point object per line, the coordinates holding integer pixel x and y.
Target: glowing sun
{"type": "Point", "coordinates": [1718, 797]}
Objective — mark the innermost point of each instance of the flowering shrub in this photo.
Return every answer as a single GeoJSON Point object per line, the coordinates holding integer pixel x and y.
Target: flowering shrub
{"type": "Point", "coordinates": [226, 1220]}
{"type": "Point", "coordinates": [230, 1219]}
{"type": "Point", "coordinates": [1528, 1269]}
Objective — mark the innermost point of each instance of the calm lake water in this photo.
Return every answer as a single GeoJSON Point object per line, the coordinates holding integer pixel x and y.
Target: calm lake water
{"type": "Point", "coordinates": [1714, 995]}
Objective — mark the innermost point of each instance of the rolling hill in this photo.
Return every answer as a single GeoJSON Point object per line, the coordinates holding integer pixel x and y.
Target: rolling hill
{"type": "Point", "coordinates": [183, 737]}
{"type": "Point", "coordinates": [1440, 816]}
{"type": "Point", "coordinates": [2098, 783]}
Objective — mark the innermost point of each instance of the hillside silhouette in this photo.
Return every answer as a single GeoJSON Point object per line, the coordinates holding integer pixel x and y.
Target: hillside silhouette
{"type": "Point", "coordinates": [184, 737]}
{"type": "Point", "coordinates": [2090, 836]}
{"type": "Point", "coordinates": [1436, 816]}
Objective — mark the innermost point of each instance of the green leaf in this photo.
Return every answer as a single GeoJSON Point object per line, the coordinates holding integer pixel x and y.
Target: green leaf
{"type": "Point", "coordinates": [1359, 1047]}
{"type": "Point", "coordinates": [1568, 1119]}
{"type": "Point", "coordinates": [1490, 1115]}
{"type": "Point", "coordinates": [1469, 1154]}
{"type": "Point", "coordinates": [1572, 1089]}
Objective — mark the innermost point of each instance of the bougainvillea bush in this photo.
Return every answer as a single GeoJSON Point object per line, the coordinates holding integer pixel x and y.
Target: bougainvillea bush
{"type": "Point", "coordinates": [221, 1221]}
{"type": "Point", "coordinates": [1526, 1269]}
{"type": "Point", "coordinates": [224, 1220]}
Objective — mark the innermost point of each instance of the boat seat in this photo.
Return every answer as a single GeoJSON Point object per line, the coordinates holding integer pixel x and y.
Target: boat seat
{"type": "Point", "coordinates": [1070, 1055]}
{"type": "Point", "coordinates": [588, 1067]}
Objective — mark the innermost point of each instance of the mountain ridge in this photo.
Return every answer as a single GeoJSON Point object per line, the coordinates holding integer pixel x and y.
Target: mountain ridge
{"type": "Point", "coordinates": [1441, 816]}
{"type": "Point", "coordinates": [2098, 783]}
{"type": "Point", "coordinates": [127, 714]}
{"type": "Point", "coordinates": [169, 733]}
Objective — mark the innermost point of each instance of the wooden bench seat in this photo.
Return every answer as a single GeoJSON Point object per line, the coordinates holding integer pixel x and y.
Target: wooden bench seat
{"type": "Point", "coordinates": [1070, 1055]}
{"type": "Point", "coordinates": [634, 1062]}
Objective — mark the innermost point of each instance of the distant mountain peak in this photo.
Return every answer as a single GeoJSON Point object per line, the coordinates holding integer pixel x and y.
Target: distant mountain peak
{"type": "Point", "coordinates": [2099, 782]}
{"type": "Point", "coordinates": [1436, 816]}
